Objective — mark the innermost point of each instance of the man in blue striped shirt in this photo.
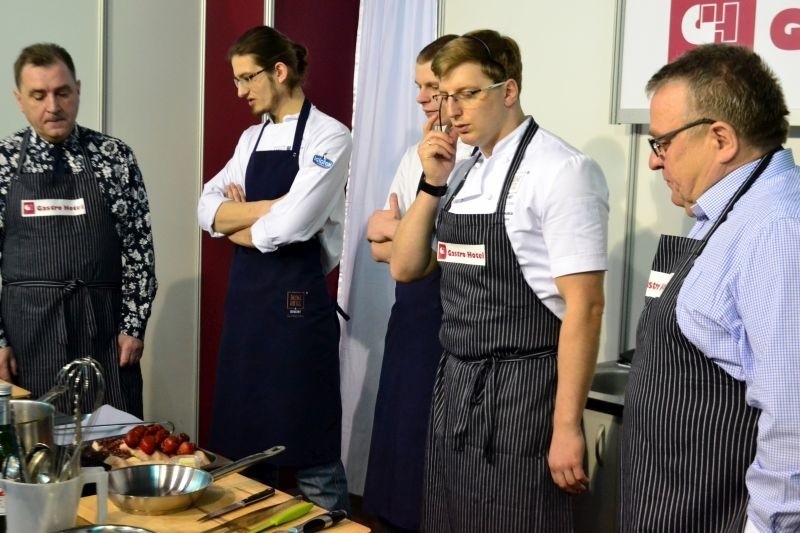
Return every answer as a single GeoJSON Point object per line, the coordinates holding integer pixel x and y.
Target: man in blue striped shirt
{"type": "Point", "coordinates": [717, 368]}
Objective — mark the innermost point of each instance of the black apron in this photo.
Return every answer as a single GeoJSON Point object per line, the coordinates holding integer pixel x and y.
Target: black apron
{"type": "Point", "coordinates": [61, 283]}
{"type": "Point", "coordinates": [393, 487]}
{"type": "Point", "coordinates": [278, 371]}
{"type": "Point", "coordinates": [494, 393]}
{"type": "Point", "coordinates": [688, 435]}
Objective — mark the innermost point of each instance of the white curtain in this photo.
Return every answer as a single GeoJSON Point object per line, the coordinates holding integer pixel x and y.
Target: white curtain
{"type": "Point", "coordinates": [386, 120]}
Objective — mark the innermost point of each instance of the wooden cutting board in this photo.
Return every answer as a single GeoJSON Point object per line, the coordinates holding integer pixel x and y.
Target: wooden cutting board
{"type": "Point", "coordinates": [17, 392]}
{"type": "Point", "coordinates": [227, 490]}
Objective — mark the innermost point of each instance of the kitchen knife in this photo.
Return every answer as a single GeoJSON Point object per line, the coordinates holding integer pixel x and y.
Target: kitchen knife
{"type": "Point", "coordinates": [292, 513]}
{"type": "Point", "coordinates": [318, 523]}
{"type": "Point", "coordinates": [253, 498]}
{"type": "Point", "coordinates": [243, 523]}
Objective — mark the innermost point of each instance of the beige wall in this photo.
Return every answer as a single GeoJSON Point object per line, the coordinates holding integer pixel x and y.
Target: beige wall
{"type": "Point", "coordinates": [154, 68]}
{"type": "Point", "coordinates": [22, 23]}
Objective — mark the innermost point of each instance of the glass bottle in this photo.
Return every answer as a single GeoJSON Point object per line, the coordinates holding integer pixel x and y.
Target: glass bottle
{"type": "Point", "coordinates": [8, 444]}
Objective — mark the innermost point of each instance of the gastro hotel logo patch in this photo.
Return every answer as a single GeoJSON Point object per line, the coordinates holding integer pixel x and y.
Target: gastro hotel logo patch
{"type": "Point", "coordinates": [468, 254]}
{"type": "Point", "coordinates": [53, 207]}
{"type": "Point", "coordinates": [657, 283]}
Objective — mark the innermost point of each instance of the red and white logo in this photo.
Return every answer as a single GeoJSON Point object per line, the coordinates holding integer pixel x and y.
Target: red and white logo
{"type": "Point", "coordinates": [695, 22]}
{"type": "Point", "coordinates": [785, 29]}
{"type": "Point", "coordinates": [657, 283]}
{"type": "Point", "coordinates": [53, 207]}
{"type": "Point", "coordinates": [467, 254]}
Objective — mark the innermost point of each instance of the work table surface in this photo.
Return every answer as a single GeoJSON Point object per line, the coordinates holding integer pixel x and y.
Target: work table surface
{"type": "Point", "coordinates": [17, 392]}
{"type": "Point", "coordinates": [227, 490]}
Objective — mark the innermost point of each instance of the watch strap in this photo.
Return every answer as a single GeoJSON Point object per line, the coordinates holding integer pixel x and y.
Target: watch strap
{"type": "Point", "coordinates": [433, 190]}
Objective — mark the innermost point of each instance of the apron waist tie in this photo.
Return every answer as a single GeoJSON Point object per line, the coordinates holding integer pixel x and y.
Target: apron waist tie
{"type": "Point", "coordinates": [482, 388]}
{"type": "Point", "coordinates": [68, 289]}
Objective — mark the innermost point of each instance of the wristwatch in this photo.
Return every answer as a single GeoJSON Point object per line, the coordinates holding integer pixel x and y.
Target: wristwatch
{"type": "Point", "coordinates": [433, 190]}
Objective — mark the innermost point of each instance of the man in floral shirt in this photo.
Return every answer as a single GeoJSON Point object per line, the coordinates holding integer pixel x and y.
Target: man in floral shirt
{"type": "Point", "coordinates": [76, 247]}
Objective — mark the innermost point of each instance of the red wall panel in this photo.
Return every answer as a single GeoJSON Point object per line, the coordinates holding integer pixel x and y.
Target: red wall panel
{"type": "Point", "coordinates": [224, 119]}
{"type": "Point", "coordinates": [328, 30]}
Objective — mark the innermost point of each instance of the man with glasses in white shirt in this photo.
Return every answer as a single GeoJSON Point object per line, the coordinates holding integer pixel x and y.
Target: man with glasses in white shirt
{"type": "Point", "coordinates": [522, 252]}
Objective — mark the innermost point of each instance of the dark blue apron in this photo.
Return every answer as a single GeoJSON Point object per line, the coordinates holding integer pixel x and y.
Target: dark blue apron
{"type": "Point", "coordinates": [393, 488]}
{"type": "Point", "coordinates": [278, 370]}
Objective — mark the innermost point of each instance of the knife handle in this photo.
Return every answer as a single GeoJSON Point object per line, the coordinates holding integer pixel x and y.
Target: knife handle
{"type": "Point", "coordinates": [292, 513]}
{"type": "Point", "coordinates": [322, 521]}
{"type": "Point", "coordinates": [258, 496]}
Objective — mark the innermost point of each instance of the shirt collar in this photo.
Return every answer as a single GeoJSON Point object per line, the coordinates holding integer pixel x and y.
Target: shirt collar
{"type": "Point", "coordinates": [509, 142]}
{"type": "Point", "coordinates": [712, 202]}
{"type": "Point", "coordinates": [38, 141]}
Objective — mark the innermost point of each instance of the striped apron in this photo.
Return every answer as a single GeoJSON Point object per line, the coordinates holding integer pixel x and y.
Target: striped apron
{"type": "Point", "coordinates": [61, 283]}
{"type": "Point", "coordinates": [494, 394]}
{"type": "Point", "coordinates": [688, 435]}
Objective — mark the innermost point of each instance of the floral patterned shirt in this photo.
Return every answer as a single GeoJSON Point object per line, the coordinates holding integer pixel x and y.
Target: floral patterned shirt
{"type": "Point", "coordinates": [122, 187]}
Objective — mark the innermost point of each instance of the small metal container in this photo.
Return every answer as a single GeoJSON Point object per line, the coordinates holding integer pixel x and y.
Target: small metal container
{"type": "Point", "coordinates": [33, 421]}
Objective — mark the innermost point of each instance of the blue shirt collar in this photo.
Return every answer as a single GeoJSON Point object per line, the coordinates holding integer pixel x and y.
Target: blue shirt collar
{"type": "Point", "coordinates": [712, 202]}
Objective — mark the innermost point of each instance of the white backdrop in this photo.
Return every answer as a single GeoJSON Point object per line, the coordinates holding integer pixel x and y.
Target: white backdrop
{"type": "Point", "coordinates": [386, 120]}
{"type": "Point", "coordinates": [650, 27]}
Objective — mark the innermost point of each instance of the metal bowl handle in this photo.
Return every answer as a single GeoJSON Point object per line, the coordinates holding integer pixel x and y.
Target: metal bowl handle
{"type": "Point", "coordinates": [245, 462]}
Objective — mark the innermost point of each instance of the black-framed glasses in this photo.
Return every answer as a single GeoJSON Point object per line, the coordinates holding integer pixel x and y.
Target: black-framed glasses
{"type": "Point", "coordinates": [465, 97]}
{"type": "Point", "coordinates": [245, 80]}
{"type": "Point", "coordinates": [659, 144]}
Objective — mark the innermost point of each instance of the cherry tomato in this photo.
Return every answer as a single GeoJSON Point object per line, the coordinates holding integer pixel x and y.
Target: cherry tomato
{"type": "Point", "coordinates": [160, 435]}
{"type": "Point", "coordinates": [170, 445]}
{"type": "Point", "coordinates": [187, 448]}
{"type": "Point", "coordinates": [148, 444]}
{"type": "Point", "coordinates": [132, 438]}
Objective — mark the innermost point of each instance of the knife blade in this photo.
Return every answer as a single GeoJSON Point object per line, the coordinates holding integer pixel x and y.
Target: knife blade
{"type": "Point", "coordinates": [318, 523]}
{"type": "Point", "coordinates": [243, 523]}
{"type": "Point", "coordinates": [250, 500]}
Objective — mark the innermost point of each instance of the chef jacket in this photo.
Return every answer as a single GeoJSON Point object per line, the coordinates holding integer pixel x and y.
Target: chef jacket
{"type": "Point", "coordinates": [314, 204]}
{"type": "Point", "coordinates": [556, 211]}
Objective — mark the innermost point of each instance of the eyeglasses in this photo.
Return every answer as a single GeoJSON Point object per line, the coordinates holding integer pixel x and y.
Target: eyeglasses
{"type": "Point", "coordinates": [660, 144]}
{"type": "Point", "coordinates": [465, 97]}
{"type": "Point", "coordinates": [245, 80]}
